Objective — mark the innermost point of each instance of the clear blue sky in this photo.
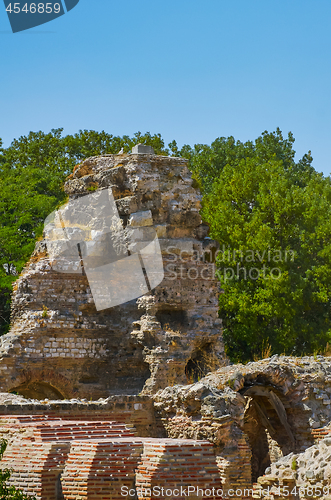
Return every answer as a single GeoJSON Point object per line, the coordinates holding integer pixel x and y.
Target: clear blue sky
{"type": "Point", "coordinates": [188, 69]}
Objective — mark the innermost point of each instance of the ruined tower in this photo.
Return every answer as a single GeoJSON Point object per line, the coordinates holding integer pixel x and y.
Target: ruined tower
{"type": "Point", "coordinates": [61, 346]}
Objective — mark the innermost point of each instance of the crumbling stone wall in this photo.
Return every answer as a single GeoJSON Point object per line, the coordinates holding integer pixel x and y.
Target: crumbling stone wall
{"type": "Point", "coordinates": [218, 408]}
{"type": "Point", "coordinates": [212, 415]}
{"type": "Point", "coordinates": [306, 475]}
{"type": "Point", "coordinates": [60, 346]}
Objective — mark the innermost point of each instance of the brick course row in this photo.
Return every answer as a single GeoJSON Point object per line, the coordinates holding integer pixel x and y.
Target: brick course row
{"type": "Point", "coordinates": [76, 460]}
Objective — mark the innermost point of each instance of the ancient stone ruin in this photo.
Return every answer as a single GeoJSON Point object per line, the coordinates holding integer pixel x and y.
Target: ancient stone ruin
{"type": "Point", "coordinates": [138, 400]}
{"type": "Point", "coordinates": [60, 346]}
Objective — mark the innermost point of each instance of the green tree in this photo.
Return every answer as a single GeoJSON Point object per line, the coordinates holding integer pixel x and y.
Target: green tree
{"type": "Point", "coordinates": [32, 171]}
{"type": "Point", "coordinates": [271, 216]}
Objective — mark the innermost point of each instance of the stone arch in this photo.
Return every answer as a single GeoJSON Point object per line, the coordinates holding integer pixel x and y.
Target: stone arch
{"type": "Point", "coordinates": [37, 390]}
{"type": "Point", "coordinates": [273, 420]}
{"type": "Point", "coordinates": [42, 384]}
{"type": "Point", "coordinates": [266, 425]}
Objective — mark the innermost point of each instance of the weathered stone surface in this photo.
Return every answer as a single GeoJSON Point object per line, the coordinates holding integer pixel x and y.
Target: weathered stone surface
{"type": "Point", "coordinates": [310, 471]}
{"type": "Point", "coordinates": [61, 346]}
{"type": "Point", "coordinates": [142, 149]}
{"type": "Point", "coordinates": [139, 219]}
{"type": "Point", "coordinates": [232, 408]}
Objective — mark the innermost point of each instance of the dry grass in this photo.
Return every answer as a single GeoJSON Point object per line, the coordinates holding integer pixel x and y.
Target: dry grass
{"type": "Point", "coordinates": [83, 169]}
{"type": "Point", "coordinates": [210, 361]}
{"type": "Point", "coordinates": [168, 329]}
{"type": "Point", "coordinates": [265, 351]}
{"type": "Point", "coordinates": [206, 362]}
{"type": "Point", "coordinates": [37, 258]}
{"type": "Point", "coordinates": [324, 352]}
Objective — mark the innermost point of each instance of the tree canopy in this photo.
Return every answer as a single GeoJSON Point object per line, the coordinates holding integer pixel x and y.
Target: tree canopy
{"type": "Point", "coordinates": [271, 216]}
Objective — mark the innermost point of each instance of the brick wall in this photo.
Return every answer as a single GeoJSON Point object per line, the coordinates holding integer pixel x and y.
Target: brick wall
{"type": "Point", "coordinates": [234, 464]}
{"type": "Point", "coordinates": [36, 466]}
{"type": "Point", "coordinates": [77, 459]}
{"type": "Point", "coordinates": [319, 434]}
{"type": "Point", "coordinates": [175, 465]}
{"type": "Point", "coordinates": [131, 410]}
{"type": "Point", "coordinates": [232, 449]}
{"type": "Point", "coordinates": [99, 469]}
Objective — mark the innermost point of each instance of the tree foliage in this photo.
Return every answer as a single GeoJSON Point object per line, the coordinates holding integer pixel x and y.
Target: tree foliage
{"type": "Point", "coordinates": [271, 216]}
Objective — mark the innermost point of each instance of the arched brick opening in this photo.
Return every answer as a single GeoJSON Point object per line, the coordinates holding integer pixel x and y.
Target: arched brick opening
{"type": "Point", "coordinates": [267, 426]}
{"type": "Point", "coordinates": [42, 384]}
{"type": "Point", "coordinates": [37, 390]}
